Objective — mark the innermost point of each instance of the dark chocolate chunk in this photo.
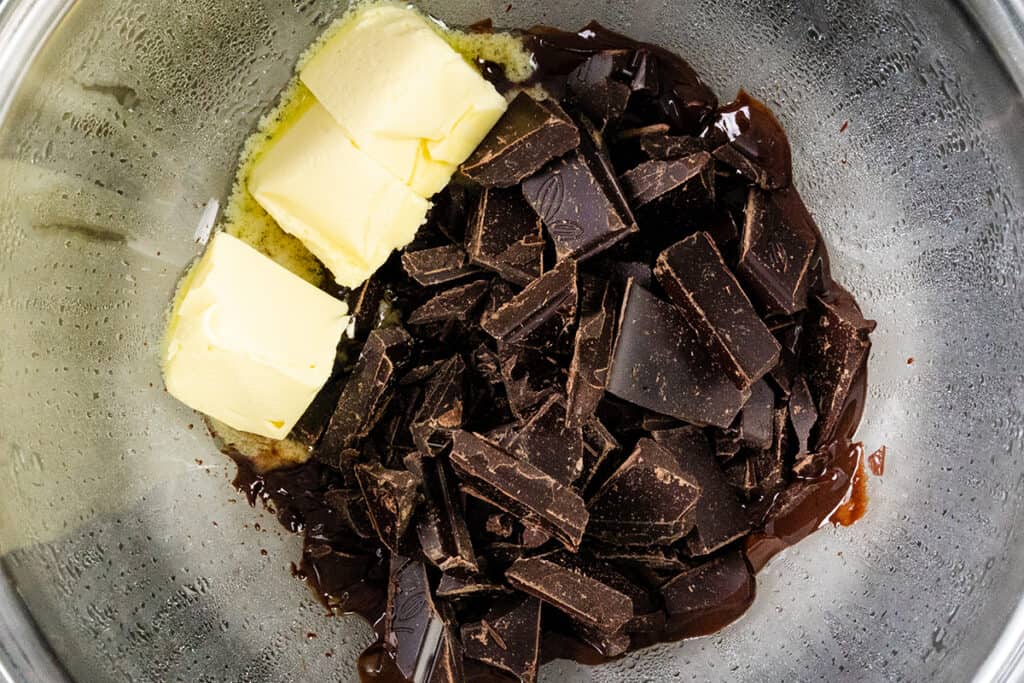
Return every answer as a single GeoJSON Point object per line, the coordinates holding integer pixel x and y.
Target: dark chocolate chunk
{"type": "Point", "coordinates": [675, 183]}
{"type": "Point", "coordinates": [529, 135]}
{"type": "Point", "coordinates": [726, 443]}
{"type": "Point", "coordinates": [778, 247]}
{"type": "Point", "coordinates": [584, 598]}
{"type": "Point", "coordinates": [448, 215]}
{"type": "Point", "coordinates": [442, 407]}
{"type": "Point", "coordinates": [609, 645]}
{"type": "Point", "coordinates": [420, 633]}
{"type": "Point", "coordinates": [442, 530]}
{"type": "Point", "coordinates": [581, 203]}
{"type": "Point", "coordinates": [506, 236]}
{"type": "Point", "coordinates": [550, 298]}
{"type": "Point", "coordinates": [656, 558]}
{"type": "Point", "coordinates": [595, 86]}
{"type": "Point", "coordinates": [836, 347]}
{"type": "Point", "coordinates": [757, 418]}
{"type": "Point", "coordinates": [662, 147]}
{"type": "Point", "coordinates": [741, 474]}
{"type": "Point", "coordinates": [454, 586]}
{"type": "Point", "coordinates": [352, 509]}
{"type": "Point", "coordinates": [719, 516]}
{"type": "Point", "coordinates": [437, 266]}
{"type": "Point", "coordinates": [507, 638]}
{"type": "Point", "coordinates": [812, 466]}
{"type": "Point", "coordinates": [588, 371]}
{"type": "Point", "coordinates": [391, 499]}
{"type": "Point", "coordinates": [702, 591]}
{"type": "Point", "coordinates": [647, 501]}
{"type": "Point", "coordinates": [753, 142]}
{"type": "Point", "coordinates": [529, 377]}
{"type": "Point", "coordinates": [518, 487]}
{"type": "Point", "coordinates": [696, 278]}
{"type": "Point", "coordinates": [456, 303]}
{"type": "Point", "coordinates": [311, 426]}
{"type": "Point", "coordinates": [366, 306]}
{"type": "Point", "coordinates": [803, 415]}
{"type": "Point", "coordinates": [770, 464]}
{"type": "Point", "coordinates": [547, 443]}
{"type": "Point", "coordinates": [420, 373]}
{"type": "Point", "coordinates": [366, 393]}
{"type": "Point", "coordinates": [598, 444]}
{"type": "Point", "coordinates": [534, 538]}
{"type": "Point", "coordinates": [659, 363]}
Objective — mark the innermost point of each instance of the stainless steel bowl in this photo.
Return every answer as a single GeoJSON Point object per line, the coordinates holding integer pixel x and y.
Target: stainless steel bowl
{"type": "Point", "coordinates": [133, 558]}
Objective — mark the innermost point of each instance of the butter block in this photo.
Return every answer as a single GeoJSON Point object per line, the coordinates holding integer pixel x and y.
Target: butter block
{"type": "Point", "coordinates": [403, 95]}
{"type": "Point", "coordinates": [345, 207]}
{"type": "Point", "coordinates": [249, 343]}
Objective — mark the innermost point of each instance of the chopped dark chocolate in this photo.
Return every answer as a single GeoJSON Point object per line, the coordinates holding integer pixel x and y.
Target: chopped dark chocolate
{"type": "Point", "coordinates": [588, 372]}
{"type": "Point", "coordinates": [674, 184]}
{"type": "Point", "coordinates": [352, 509]}
{"type": "Point", "coordinates": [770, 464]}
{"type": "Point", "coordinates": [366, 306]}
{"type": "Point", "coordinates": [758, 417]}
{"type": "Point", "coordinates": [366, 393]}
{"type": "Point", "coordinates": [595, 86]}
{"type": "Point", "coordinates": [442, 407]}
{"type": "Point", "coordinates": [391, 499]}
{"type": "Point", "coordinates": [662, 147]}
{"type": "Point", "coordinates": [546, 442]}
{"type": "Point", "coordinates": [659, 363]}
{"type": "Point", "coordinates": [598, 444]}
{"type": "Point", "coordinates": [457, 586]}
{"type": "Point", "coordinates": [778, 246]}
{"type": "Point", "coordinates": [581, 203]}
{"type": "Point", "coordinates": [550, 299]}
{"type": "Point", "coordinates": [437, 266]}
{"type": "Point", "coordinates": [456, 303]}
{"type": "Point", "coordinates": [803, 415]}
{"type": "Point", "coordinates": [508, 637]}
{"type": "Point", "coordinates": [420, 633]}
{"type": "Point", "coordinates": [442, 530]}
{"type": "Point", "coordinates": [753, 142]}
{"type": "Point", "coordinates": [529, 377]}
{"type": "Point", "coordinates": [647, 501]}
{"type": "Point", "coordinates": [529, 135]}
{"type": "Point", "coordinates": [701, 592]}
{"type": "Point", "coordinates": [741, 474]}
{"type": "Point", "coordinates": [657, 558]}
{"type": "Point", "coordinates": [719, 517]}
{"type": "Point", "coordinates": [836, 347]}
{"type": "Point", "coordinates": [585, 599]}
{"type": "Point", "coordinates": [514, 485]}
{"type": "Point", "coordinates": [505, 235]}
{"type": "Point", "coordinates": [696, 278]}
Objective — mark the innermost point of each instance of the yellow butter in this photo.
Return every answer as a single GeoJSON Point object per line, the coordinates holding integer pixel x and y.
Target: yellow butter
{"type": "Point", "coordinates": [346, 208]}
{"type": "Point", "coordinates": [403, 95]}
{"type": "Point", "coordinates": [249, 343]}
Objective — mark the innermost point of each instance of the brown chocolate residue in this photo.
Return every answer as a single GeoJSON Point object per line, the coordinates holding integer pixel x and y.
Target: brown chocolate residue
{"type": "Point", "coordinates": [876, 462]}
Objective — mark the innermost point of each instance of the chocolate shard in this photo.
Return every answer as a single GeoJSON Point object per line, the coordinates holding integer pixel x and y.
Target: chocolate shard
{"type": "Point", "coordinates": [608, 645]}
{"type": "Point", "coordinates": [695, 276]}
{"type": "Point", "coordinates": [741, 474]}
{"type": "Point", "coordinates": [803, 415]}
{"type": "Point", "coordinates": [579, 199]}
{"type": "Point", "coordinates": [564, 584]}
{"type": "Point", "coordinates": [352, 509]}
{"type": "Point", "coordinates": [663, 146]}
{"type": "Point", "coordinates": [505, 235]}
{"type": "Point", "coordinates": [595, 86]}
{"type": "Point", "coordinates": [454, 586]}
{"type": "Point", "coordinates": [420, 373]}
{"type": "Point", "coordinates": [836, 348]}
{"type": "Point", "coordinates": [533, 538]}
{"type": "Point", "coordinates": [366, 393]}
{"type": "Point", "coordinates": [442, 407]}
{"type": "Point", "coordinates": [777, 249]}
{"type": "Point", "coordinates": [442, 530]}
{"type": "Point", "coordinates": [420, 633]}
{"type": "Point", "coordinates": [311, 426]}
{"type": "Point", "coordinates": [518, 487]}
{"type": "Point", "coordinates": [456, 303]}
{"type": "Point", "coordinates": [753, 142]}
{"type": "Point", "coordinates": [598, 444]}
{"type": "Point", "coordinates": [659, 363]}
{"type": "Point", "coordinates": [437, 266]}
{"type": "Point", "coordinates": [770, 464]}
{"type": "Point", "coordinates": [549, 444]}
{"type": "Point", "coordinates": [672, 184]}
{"type": "Point", "coordinates": [507, 638]}
{"type": "Point", "coordinates": [647, 501]}
{"type": "Point", "coordinates": [588, 371]}
{"type": "Point", "coordinates": [757, 418]}
{"type": "Point", "coordinates": [550, 300]}
{"type": "Point", "coordinates": [719, 517]}
{"type": "Point", "coordinates": [708, 591]}
{"type": "Point", "coordinates": [529, 135]}
{"type": "Point", "coordinates": [391, 499]}
{"type": "Point", "coordinates": [656, 558]}
{"type": "Point", "coordinates": [726, 443]}
{"type": "Point", "coordinates": [365, 306]}
{"type": "Point", "coordinates": [530, 377]}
